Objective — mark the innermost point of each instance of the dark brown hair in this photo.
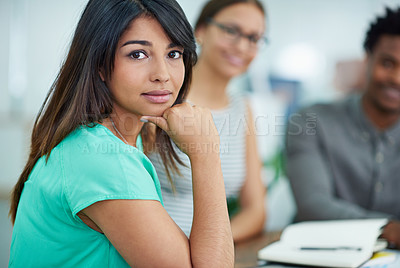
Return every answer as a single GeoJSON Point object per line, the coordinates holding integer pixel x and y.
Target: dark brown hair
{"type": "Point", "coordinates": [212, 7]}
{"type": "Point", "coordinates": [78, 96]}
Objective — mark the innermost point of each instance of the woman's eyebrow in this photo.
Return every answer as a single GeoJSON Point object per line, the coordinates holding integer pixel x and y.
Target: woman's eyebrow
{"type": "Point", "coordinates": [147, 43]}
{"type": "Point", "coordinates": [173, 45]}
{"type": "Point", "coordinates": [140, 42]}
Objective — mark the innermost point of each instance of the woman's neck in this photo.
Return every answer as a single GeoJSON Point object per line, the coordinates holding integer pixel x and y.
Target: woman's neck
{"type": "Point", "coordinates": [208, 88]}
{"type": "Point", "coordinates": [126, 128]}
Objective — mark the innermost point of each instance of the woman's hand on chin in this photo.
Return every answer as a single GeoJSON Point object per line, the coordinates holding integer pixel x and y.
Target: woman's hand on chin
{"type": "Point", "coordinates": [190, 127]}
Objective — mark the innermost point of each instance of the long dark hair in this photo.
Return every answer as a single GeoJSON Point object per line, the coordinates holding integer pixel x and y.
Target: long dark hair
{"type": "Point", "coordinates": [212, 7]}
{"type": "Point", "coordinates": [78, 96]}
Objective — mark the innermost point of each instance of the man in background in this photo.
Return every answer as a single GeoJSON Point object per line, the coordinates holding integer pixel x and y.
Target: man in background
{"type": "Point", "coordinates": [343, 158]}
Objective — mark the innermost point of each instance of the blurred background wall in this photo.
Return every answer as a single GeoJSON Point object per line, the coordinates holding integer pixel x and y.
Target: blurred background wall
{"type": "Point", "coordinates": [313, 47]}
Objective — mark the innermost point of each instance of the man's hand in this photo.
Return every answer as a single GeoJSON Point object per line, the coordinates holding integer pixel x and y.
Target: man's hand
{"type": "Point", "coordinates": [391, 233]}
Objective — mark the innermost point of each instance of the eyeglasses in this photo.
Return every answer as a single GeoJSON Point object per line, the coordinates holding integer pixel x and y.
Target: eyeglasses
{"type": "Point", "coordinates": [234, 34]}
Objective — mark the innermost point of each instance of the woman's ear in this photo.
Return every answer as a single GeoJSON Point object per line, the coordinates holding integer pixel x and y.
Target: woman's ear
{"type": "Point", "coordinates": [199, 34]}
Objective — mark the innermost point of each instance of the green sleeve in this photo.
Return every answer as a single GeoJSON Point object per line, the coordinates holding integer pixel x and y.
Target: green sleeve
{"type": "Point", "coordinates": [97, 169]}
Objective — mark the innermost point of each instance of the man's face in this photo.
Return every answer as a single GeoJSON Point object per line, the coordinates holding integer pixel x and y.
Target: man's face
{"type": "Point", "coordinates": [383, 75]}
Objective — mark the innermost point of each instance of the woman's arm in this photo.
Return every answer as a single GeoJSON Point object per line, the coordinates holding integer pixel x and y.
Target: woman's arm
{"type": "Point", "coordinates": [142, 231]}
{"type": "Point", "coordinates": [251, 217]}
{"type": "Point", "coordinates": [211, 239]}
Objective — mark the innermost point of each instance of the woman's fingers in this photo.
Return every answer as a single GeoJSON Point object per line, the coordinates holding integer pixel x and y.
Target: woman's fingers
{"type": "Point", "coordinates": [161, 122]}
{"type": "Point", "coordinates": [191, 128]}
{"type": "Point", "coordinates": [167, 122]}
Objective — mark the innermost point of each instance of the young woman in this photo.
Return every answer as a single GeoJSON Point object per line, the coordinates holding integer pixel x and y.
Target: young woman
{"type": "Point", "coordinates": [88, 196]}
{"type": "Point", "coordinates": [229, 33]}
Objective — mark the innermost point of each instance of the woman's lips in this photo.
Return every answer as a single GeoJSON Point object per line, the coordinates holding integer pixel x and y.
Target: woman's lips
{"type": "Point", "coordinates": [236, 61]}
{"type": "Point", "coordinates": [158, 96]}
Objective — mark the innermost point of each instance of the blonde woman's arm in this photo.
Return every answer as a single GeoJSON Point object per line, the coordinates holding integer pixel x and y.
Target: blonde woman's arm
{"type": "Point", "coordinates": [250, 219]}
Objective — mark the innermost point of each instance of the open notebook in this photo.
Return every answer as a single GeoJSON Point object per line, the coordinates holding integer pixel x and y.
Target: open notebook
{"type": "Point", "coordinates": [339, 243]}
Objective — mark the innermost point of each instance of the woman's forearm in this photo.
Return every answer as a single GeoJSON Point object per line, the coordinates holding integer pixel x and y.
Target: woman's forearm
{"type": "Point", "coordinates": [248, 223]}
{"type": "Point", "coordinates": [211, 242]}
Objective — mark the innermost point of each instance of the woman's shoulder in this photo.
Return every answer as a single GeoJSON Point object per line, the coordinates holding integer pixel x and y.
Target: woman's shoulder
{"type": "Point", "coordinates": [87, 134]}
{"type": "Point", "coordinates": [92, 155]}
{"type": "Point", "coordinates": [237, 97]}
{"type": "Point", "coordinates": [99, 166]}
{"type": "Point", "coordinates": [97, 145]}
{"type": "Point", "coordinates": [236, 108]}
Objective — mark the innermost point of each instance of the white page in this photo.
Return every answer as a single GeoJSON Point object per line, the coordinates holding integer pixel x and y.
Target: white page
{"type": "Point", "coordinates": [347, 233]}
{"type": "Point", "coordinates": [352, 233]}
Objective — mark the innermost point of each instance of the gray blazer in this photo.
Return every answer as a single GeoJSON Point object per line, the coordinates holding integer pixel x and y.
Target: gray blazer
{"type": "Point", "coordinates": [340, 166]}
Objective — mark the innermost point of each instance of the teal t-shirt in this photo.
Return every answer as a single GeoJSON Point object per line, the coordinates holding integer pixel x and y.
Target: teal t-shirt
{"type": "Point", "coordinates": [89, 165]}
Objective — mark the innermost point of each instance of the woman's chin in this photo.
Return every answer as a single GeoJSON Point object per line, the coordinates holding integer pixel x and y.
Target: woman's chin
{"type": "Point", "coordinates": [157, 112]}
{"type": "Point", "coordinates": [232, 71]}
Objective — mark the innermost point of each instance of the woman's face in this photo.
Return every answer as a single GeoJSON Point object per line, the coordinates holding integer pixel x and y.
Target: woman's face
{"type": "Point", "coordinates": [148, 70]}
{"type": "Point", "coordinates": [220, 50]}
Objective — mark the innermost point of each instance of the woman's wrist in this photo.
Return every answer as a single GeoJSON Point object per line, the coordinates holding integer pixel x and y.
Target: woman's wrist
{"type": "Point", "coordinates": [206, 156]}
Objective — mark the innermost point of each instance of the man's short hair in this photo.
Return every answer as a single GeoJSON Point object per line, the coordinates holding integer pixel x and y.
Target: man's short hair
{"type": "Point", "coordinates": [389, 24]}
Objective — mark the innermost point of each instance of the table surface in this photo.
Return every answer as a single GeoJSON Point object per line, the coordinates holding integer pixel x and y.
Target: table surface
{"type": "Point", "coordinates": [246, 252]}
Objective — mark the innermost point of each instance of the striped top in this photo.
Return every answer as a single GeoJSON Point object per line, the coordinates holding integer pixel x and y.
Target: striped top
{"type": "Point", "coordinates": [231, 124]}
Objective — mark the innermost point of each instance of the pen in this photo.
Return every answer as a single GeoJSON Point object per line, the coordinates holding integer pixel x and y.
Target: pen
{"type": "Point", "coordinates": [332, 248]}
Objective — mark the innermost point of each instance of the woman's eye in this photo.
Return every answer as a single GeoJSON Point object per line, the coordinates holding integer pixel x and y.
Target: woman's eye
{"type": "Point", "coordinates": [137, 55]}
{"type": "Point", "coordinates": [253, 39]}
{"type": "Point", "coordinates": [231, 31]}
{"type": "Point", "coordinates": [175, 54]}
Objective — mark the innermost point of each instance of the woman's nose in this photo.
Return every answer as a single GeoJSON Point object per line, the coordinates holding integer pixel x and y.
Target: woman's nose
{"type": "Point", "coordinates": [159, 71]}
